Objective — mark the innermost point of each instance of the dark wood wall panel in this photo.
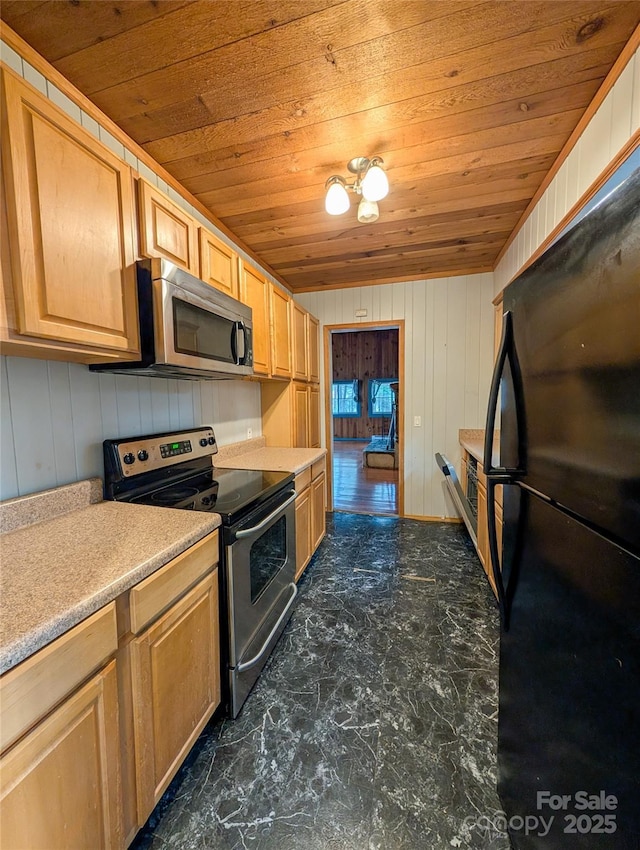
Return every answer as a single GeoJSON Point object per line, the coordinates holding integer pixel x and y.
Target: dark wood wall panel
{"type": "Point", "coordinates": [361, 355]}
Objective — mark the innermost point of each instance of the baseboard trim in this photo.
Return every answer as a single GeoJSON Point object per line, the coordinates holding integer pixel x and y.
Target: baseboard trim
{"type": "Point", "coordinates": [454, 519]}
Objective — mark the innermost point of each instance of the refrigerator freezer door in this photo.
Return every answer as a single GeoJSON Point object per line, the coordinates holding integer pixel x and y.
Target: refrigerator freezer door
{"type": "Point", "coordinates": [576, 333]}
{"type": "Point", "coordinates": [569, 719]}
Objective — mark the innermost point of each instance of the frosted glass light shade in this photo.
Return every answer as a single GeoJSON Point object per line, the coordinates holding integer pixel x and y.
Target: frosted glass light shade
{"type": "Point", "coordinates": [367, 211]}
{"type": "Point", "coordinates": [336, 201]}
{"type": "Point", "coordinates": [375, 185]}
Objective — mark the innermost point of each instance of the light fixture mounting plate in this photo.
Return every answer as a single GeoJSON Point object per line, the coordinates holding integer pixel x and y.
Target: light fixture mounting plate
{"type": "Point", "coordinates": [358, 164]}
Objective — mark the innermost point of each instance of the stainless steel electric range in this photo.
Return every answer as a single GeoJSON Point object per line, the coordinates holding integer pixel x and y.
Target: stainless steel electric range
{"type": "Point", "coordinates": [175, 470]}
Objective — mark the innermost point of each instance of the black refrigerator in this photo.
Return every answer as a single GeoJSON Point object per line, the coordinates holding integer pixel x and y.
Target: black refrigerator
{"type": "Point", "coordinates": [567, 381]}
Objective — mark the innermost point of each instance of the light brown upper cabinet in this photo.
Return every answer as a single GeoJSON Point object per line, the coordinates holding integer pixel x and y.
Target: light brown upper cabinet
{"type": "Point", "coordinates": [280, 333]}
{"type": "Point", "coordinates": [254, 292]}
{"type": "Point", "coordinates": [218, 263]}
{"type": "Point", "coordinates": [313, 347]}
{"type": "Point", "coordinates": [166, 230]}
{"type": "Point", "coordinates": [70, 222]}
{"type": "Point", "coordinates": [300, 342]}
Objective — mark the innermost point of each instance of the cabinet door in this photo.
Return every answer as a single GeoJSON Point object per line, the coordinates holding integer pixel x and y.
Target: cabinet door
{"type": "Point", "coordinates": [314, 417]}
{"type": "Point", "coordinates": [254, 292]}
{"type": "Point", "coordinates": [175, 668]}
{"type": "Point", "coordinates": [300, 415]}
{"type": "Point", "coordinates": [166, 230]}
{"type": "Point", "coordinates": [71, 216]}
{"type": "Point", "coordinates": [60, 785]}
{"type": "Point", "coordinates": [299, 329]}
{"type": "Point", "coordinates": [318, 516]}
{"type": "Point", "coordinates": [463, 473]}
{"type": "Point", "coordinates": [313, 346]}
{"type": "Point", "coordinates": [218, 263]}
{"type": "Point", "coordinates": [303, 531]}
{"type": "Point", "coordinates": [280, 333]}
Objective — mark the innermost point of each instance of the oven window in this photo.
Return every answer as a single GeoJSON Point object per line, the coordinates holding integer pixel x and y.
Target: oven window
{"type": "Point", "coordinates": [202, 333]}
{"type": "Point", "coordinates": [267, 557]}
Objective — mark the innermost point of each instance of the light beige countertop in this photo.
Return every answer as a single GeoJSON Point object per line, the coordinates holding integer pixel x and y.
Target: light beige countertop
{"type": "Point", "coordinates": [257, 455]}
{"type": "Point", "coordinates": [472, 439]}
{"type": "Point", "coordinates": [66, 564]}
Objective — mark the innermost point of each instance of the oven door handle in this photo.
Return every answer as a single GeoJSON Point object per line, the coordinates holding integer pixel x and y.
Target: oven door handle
{"type": "Point", "coordinates": [250, 532]}
{"type": "Point", "coordinates": [245, 665]}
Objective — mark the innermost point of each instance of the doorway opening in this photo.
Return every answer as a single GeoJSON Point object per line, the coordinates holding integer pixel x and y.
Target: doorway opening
{"type": "Point", "coordinates": [363, 365]}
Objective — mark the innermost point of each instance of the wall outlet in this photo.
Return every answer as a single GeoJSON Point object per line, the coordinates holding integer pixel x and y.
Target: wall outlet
{"type": "Point", "coordinates": [249, 433]}
{"type": "Point", "coordinates": [417, 421]}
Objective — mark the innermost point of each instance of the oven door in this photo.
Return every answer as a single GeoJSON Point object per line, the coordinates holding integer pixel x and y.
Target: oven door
{"type": "Point", "coordinates": [260, 572]}
{"type": "Point", "coordinates": [195, 332]}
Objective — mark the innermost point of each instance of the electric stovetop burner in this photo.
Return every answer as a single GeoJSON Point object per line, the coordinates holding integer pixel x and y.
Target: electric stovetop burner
{"type": "Point", "coordinates": [173, 495]}
{"type": "Point", "coordinates": [229, 492]}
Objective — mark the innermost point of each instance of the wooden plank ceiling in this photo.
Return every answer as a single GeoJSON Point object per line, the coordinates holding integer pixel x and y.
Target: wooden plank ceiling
{"type": "Point", "coordinates": [252, 105]}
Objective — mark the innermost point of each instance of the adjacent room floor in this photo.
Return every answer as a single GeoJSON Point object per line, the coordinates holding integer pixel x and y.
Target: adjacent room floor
{"type": "Point", "coordinates": [359, 489]}
{"type": "Point", "coordinates": [373, 727]}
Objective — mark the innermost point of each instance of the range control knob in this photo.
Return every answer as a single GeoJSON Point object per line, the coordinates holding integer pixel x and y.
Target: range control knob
{"type": "Point", "coordinates": [203, 442]}
{"type": "Point", "coordinates": [129, 458]}
{"type": "Point", "coordinates": [143, 454]}
{"type": "Point", "coordinates": [212, 440]}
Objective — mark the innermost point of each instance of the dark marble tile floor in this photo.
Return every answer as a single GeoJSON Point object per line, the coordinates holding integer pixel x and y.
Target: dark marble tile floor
{"type": "Point", "coordinates": [373, 726]}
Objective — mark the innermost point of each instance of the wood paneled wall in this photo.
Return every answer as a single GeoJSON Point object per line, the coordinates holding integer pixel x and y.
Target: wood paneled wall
{"type": "Point", "coordinates": [448, 365]}
{"type": "Point", "coordinates": [615, 122]}
{"type": "Point", "coordinates": [54, 417]}
{"type": "Point", "coordinates": [361, 355]}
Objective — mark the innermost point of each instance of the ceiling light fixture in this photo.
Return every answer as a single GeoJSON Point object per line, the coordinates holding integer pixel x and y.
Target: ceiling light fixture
{"type": "Point", "coordinates": [370, 182]}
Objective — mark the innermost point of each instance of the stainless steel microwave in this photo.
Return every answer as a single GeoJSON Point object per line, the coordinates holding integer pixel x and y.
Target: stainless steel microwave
{"type": "Point", "coordinates": [188, 329]}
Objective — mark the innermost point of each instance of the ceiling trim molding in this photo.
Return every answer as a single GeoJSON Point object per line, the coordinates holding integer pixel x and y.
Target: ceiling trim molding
{"type": "Point", "coordinates": [325, 287]}
{"type": "Point", "coordinates": [610, 80]}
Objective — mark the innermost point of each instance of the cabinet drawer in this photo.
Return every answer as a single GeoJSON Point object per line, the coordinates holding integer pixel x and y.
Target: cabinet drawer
{"type": "Point", "coordinates": [302, 480]}
{"type": "Point", "coordinates": [317, 469]}
{"type": "Point", "coordinates": [33, 688]}
{"type": "Point", "coordinates": [155, 594]}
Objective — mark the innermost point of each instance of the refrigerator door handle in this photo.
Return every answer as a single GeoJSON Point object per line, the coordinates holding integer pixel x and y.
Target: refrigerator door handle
{"type": "Point", "coordinates": [500, 474]}
{"type": "Point", "coordinates": [493, 552]}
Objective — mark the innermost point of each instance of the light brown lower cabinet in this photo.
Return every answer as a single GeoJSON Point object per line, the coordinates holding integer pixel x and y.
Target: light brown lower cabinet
{"type": "Point", "coordinates": [318, 515]}
{"type": "Point", "coordinates": [90, 742]}
{"type": "Point", "coordinates": [61, 782]}
{"type": "Point", "coordinates": [310, 513]}
{"type": "Point", "coordinates": [175, 668]}
{"type": "Point", "coordinates": [303, 531]}
{"type": "Point", "coordinates": [482, 544]}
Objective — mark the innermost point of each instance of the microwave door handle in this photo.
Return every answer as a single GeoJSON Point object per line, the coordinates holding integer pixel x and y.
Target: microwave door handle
{"type": "Point", "coordinates": [234, 342]}
{"type": "Point", "coordinates": [242, 348]}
